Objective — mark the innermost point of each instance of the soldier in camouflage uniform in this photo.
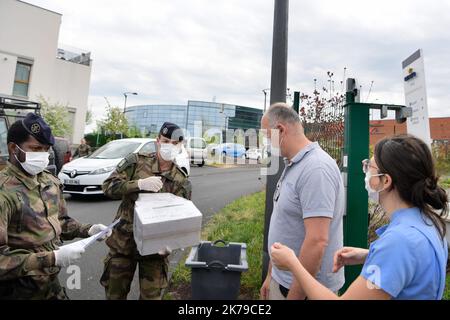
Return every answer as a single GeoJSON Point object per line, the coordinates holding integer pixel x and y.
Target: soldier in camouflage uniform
{"type": "Point", "coordinates": [137, 173]}
{"type": "Point", "coordinates": [33, 217]}
{"type": "Point", "coordinates": [83, 149]}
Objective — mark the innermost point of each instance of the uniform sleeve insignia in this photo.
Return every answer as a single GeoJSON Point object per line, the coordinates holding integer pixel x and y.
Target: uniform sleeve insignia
{"type": "Point", "coordinates": [126, 162]}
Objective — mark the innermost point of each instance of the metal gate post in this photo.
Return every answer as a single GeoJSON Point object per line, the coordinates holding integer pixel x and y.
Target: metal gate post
{"type": "Point", "coordinates": [356, 148]}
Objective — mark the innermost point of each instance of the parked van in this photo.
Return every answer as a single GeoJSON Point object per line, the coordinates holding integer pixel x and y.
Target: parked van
{"type": "Point", "coordinates": [196, 148]}
{"type": "Point", "coordinates": [11, 110]}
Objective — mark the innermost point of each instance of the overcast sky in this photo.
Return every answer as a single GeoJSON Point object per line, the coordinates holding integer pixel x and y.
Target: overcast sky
{"type": "Point", "coordinates": [171, 51]}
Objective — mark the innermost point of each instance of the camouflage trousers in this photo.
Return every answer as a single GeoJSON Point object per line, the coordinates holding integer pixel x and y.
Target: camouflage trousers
{"type": "Point", "coordinates": [119, 272]}
{"type": "Point", "coordinates": [33, 288]}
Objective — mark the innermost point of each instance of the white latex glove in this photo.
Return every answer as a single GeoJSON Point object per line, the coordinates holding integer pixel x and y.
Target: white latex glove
{"type": "Point", "coordinates": [96, 228]}
{"type": "Point", "coordinates": [68, 254]}
{"type": "Point", "coordinates": [153, 184]}
{"type": "Point", "coordinates": [165, 252]}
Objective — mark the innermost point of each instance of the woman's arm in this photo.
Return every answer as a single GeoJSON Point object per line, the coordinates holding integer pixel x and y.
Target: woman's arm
{"type": "Point", "coordinates": [349, 256]}
{"type": "Point", "coordinates": [284, 258]}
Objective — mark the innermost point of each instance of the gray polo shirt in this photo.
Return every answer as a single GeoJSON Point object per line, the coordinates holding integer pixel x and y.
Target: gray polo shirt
{"type": "Point", "coordinates": [310, 186]}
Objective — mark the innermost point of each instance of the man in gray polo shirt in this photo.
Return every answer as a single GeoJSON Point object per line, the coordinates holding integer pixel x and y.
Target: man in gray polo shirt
{"type": "Point", "coordinates": [308, 206]}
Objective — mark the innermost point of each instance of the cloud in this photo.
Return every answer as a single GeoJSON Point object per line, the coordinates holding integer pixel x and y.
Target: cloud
{"type": "Point", "coordinates": [173, 51]}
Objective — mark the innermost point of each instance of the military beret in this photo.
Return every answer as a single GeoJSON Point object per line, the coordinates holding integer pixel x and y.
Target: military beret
{"type": "Point", "coordinates": [171, 131]}
{"type": "Point", "coordinates": [37, 127]}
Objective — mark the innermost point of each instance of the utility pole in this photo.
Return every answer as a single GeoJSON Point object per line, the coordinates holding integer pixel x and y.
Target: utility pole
{"type": "Point", "coordinates": [265, 98]}
{"type": "Point", "coordinates": [278, 85]}
{"type": "Point", "coordinates": [296, 104]}
{"type": "Point", "coordinates": [125, 94]}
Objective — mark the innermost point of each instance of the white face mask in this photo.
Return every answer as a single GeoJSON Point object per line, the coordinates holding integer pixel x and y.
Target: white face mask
{"type": "Point", "coordinates": [373, 194]}
{"type": "Point", "coordinates": [35, 162]}
{"type": "Point", "coordinates": [169, 151]}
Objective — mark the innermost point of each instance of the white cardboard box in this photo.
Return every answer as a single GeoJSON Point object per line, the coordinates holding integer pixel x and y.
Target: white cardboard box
{"type": "Point", "coordinates": [164, 220]}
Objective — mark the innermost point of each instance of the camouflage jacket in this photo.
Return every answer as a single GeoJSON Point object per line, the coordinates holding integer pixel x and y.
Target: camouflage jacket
{"type": "Point", "coordinates": [33, 221]}
{"type": "Point", "coordinates": [83, 150]}
{"type": "Point", "coordinates": [123, 184]}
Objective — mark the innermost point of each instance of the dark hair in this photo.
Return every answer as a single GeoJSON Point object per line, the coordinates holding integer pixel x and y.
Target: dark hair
{"type": "Point", "coordinates": [409, 162]}
{"type": "Point", "coordinates": [17, 133]}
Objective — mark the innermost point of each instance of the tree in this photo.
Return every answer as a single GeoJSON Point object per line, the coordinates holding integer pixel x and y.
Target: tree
{"type": "Point", "coordinates": [57, 117]}
{"type": "Point", "coordinates": [115, 122]}
{"type": "Point", "coordinates": [322, 116]}
{"type": "Point", "coordinates": [134, 132]}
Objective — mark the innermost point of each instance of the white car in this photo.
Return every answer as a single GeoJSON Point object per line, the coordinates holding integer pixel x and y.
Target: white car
{"type": "Point", "coordinates": [86, 175]}
{"type": "Point", "coordinates": [197, 151]}
{"type": "Point", "coordinates": [256, 154]}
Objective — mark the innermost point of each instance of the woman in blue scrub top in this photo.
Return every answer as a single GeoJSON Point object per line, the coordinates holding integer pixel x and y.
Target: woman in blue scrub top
{"type": "Point", "coordinates": [408, 260]}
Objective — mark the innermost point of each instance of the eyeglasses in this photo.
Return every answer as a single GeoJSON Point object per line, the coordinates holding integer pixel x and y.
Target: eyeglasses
{"type": "Point", "coordinates": [366, 165]}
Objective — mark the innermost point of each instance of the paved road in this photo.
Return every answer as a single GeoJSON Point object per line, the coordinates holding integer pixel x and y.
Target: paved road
{"type": "Point", "coordinates": [213, 188]}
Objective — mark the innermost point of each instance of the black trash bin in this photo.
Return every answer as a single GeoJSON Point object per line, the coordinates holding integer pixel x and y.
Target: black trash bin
{"type": "Point", "coordinates": [216, 270]}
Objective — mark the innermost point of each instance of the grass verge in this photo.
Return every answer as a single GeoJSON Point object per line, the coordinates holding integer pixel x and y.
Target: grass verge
{"type": "Point", "coordinates": [240, 221]}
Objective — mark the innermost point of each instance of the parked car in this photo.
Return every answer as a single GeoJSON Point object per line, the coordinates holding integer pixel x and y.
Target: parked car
{"type": "Point", "coordinates": [256, 154]}
{"type": "Point", "coordinates": [229, 150]}
{"type": "Point", "coordinates": [196, 149]}
{"type": "Point", "coordinates": [86, 175]}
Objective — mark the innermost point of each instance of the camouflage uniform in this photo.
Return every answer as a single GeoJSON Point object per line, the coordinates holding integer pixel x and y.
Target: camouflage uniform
{"type": "Point", "coordinates": [83, 150]}
{"type": "Point", "coordinates": [121, 262]}
{"type": "Point", "coordinates": [33, 219]}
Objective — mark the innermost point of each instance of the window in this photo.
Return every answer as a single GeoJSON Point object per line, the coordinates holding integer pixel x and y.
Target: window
{"type": "Point", "coordinates": [115, 150]}
{"type": "Point", "coordinates": [148, 148]}
{"type": "Point", "coordinates": [198, 144]}
{"type": "Point", "coordinates": [22, 79]}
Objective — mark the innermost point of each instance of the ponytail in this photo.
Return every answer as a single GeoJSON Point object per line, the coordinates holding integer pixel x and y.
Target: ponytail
{"type": "Point", "coordinates": [409, 162]}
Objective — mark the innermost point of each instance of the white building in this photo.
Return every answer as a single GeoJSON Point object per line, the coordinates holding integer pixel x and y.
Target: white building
{"type": "Point", "coordinates": [31, 64]}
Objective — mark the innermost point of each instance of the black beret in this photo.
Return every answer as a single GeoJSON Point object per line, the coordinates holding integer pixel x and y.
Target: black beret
{"type": "Point", "coordinates": [37, 127]}
{"type": "Point", "coordinates": [171, 131]}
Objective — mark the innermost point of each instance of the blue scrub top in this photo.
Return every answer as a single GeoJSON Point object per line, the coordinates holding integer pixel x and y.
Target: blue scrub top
{"type": "Point", "coordinates": [408, 260]}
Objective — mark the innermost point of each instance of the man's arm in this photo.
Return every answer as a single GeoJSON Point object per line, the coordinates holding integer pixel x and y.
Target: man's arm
{"type": "Point", "coordinates": [318, 196]}
{"type": "Point", "coordinates": [312, 251]}
{"type": "Point", "coordinates": [265, 288]}
{"type": "Point", "coordinates": [70, 228]}
{"type": "Point", "coordinates": [16, 263]}
{"type": "Point", "coordinates": [118, 183]}
{"type": "Point", "coordinates": [187, 190]}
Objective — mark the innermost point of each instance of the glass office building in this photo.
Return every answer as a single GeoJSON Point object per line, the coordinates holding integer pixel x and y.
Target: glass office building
{"type": "Point", "coordinates": [211, 115]}
{"type": "Point", "coordinates": [150, 118]}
